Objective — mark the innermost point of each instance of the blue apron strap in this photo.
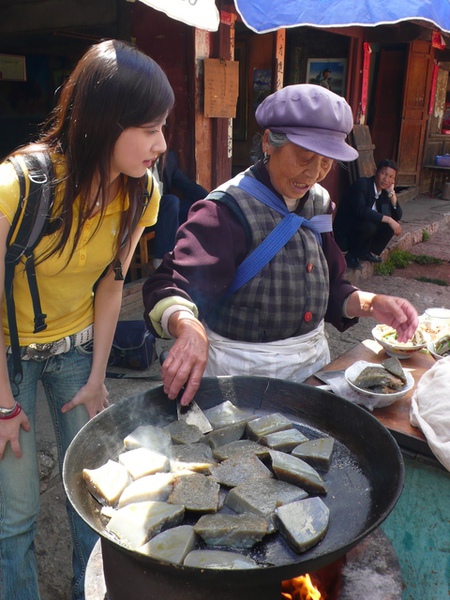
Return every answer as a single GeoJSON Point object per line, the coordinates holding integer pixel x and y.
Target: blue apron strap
{"type": "Point", "coordinates": [277, 238]}
{"type": "Point", "coordinates": [264, 253]}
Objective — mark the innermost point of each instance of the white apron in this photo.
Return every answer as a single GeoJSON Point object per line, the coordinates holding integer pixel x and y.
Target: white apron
{"type": "Point", "coordinates": [295, 358]}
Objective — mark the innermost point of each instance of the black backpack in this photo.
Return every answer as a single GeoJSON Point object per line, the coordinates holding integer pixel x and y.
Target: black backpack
{"type": "Point", "coordinates": [29, 225]}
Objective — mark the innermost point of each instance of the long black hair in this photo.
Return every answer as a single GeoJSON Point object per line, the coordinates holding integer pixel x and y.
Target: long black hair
{"type": "Point", "coordinates": [114, 86]}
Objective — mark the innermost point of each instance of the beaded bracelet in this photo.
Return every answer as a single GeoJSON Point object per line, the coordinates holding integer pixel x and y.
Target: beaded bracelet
{"type": "Point", "coordinates": [16, 411]}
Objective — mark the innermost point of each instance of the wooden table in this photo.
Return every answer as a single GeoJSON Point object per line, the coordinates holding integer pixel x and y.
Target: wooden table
{"type": "Point", "coordinates": [443, 172]}
{"type": "Point", "coordinates": [396, 416]}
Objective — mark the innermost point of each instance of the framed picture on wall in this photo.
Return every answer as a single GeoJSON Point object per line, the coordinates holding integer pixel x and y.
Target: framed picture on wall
{"type": "Point", "coordinates": [329, 73]}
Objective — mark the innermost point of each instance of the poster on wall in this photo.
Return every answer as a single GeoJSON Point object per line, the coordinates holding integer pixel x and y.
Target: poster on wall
{"type": "Point", "coordinates": [12, 67]}
{"type": "Point", "coordinates": [329, 73]}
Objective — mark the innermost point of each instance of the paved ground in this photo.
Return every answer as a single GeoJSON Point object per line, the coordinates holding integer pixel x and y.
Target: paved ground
{"type": "Point", "coordinates": [421, 214]}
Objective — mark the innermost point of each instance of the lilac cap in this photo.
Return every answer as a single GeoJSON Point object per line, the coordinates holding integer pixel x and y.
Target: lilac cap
{"type": "Point", "coordinates": [311, 117]}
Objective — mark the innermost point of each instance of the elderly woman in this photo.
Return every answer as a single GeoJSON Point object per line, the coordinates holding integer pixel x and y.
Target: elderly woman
{"type": "Point", "coordinates": [256, 271]}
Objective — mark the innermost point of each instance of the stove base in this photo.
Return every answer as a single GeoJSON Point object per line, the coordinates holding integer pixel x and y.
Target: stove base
{"type": "Point", "coordinates": [372, 571]}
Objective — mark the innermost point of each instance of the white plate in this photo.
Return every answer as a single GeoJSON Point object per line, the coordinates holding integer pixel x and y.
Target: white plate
{"type": "Point", "coordinates": [398, 349]}
{"type": "Point", "coordinates": [382, 399]}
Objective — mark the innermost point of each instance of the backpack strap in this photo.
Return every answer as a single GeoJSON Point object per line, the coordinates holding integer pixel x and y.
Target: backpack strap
{"type": "Point", "coordinates": [27, 229]}
{"type": "Point", "coordinates": [146, 197]}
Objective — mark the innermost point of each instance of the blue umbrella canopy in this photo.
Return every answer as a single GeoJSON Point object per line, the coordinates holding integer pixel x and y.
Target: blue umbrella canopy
{"type": "Point", "coordinates": [269, 15]}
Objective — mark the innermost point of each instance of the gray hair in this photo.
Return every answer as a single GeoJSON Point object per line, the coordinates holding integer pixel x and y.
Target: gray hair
{"type": "Point", "coordinates": [275, 139]}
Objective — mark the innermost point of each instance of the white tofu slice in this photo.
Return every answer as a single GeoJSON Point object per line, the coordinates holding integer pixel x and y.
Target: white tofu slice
{"type": "Point", "coordinates": [134, 524]}
{"type": "Point", "coordinates": [296, 471]}
{"type": "Point", "coordinates": [303, 524]}
{"type": "Point", "coordinates": [151, 437]}
{"type": "Point", "coordinates": [218, 559]}
{"type": "Point", "coordinates": [225, 414]}
{"type": "Point", "coordinates": [155, 487]}
{"type": "Point", "coordinates": [106, 483]}
{"type": "Point", "coordinates": [262, 426]}
{"type": "Point", "coordinates": [232, 531]}
{"type": "Point", "coordinates": [172, 545]}
{"type": "Point", "coordinates": [142, 461]}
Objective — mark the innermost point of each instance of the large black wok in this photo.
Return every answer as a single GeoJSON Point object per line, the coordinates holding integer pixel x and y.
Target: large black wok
{"type": "Point", "coordinates": [364, 481]}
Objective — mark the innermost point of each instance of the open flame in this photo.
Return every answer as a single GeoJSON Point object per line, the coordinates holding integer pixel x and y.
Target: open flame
{"type": "Point", "coordinates": [323, 584]}
{"type": "Point", "coordinates": [300, 588]}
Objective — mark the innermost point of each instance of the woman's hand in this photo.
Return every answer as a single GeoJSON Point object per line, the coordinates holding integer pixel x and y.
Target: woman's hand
{"type": "Point", "coordinates": [9, 432]}
{"type": "Point", "coordinates": [396, 312]}
{"type": "Point", "coordinates": [186, 360]}
{"type": "Point", "coordinates": [94, 396]}
{"type": "Point", "coordinates": [390, 310]}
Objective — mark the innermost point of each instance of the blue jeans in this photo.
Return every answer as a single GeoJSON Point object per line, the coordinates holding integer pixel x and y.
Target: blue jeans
{"type": "Point", "coordinates": [62, 376]}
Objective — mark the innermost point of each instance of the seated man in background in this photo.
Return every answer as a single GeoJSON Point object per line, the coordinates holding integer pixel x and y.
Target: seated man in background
{"type": "Point", "coordinates": [173, 210]}
{"type": "Point", "coordinates": [368, 216]}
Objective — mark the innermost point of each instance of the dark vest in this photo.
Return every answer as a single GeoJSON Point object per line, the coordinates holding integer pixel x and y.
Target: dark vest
{"type": "Point", "coordinates": [289, 296]}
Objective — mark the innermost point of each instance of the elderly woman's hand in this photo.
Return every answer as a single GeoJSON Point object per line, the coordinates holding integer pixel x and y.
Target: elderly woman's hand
{"type": "Point", "coordinates": [396, 312]}
{"type": "Point", "coordinates": [186, 360]}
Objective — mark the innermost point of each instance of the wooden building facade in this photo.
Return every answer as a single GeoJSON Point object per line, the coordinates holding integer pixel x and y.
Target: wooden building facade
{"type": "Point", "coordinates": [394, 79]}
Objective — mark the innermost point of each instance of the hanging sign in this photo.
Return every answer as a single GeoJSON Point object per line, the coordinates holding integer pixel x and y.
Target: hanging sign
{"type": "Point", "coordinates": [221, 88]}
{"type": "Point", "coordinates": [202, 14]}
{"type": "Point", "coordinates": [12, 67]}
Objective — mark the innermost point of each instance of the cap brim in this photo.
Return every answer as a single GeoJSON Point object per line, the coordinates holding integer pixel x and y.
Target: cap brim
{"type": "Point", "coordinates": [322, 141]}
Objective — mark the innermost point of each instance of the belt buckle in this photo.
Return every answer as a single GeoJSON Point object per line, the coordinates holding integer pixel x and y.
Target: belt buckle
{"type": "Point", "coordinates": [40, 352]}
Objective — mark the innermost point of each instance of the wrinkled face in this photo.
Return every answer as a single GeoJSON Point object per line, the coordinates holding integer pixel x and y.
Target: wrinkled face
{"type": "Point", "coordinates": [137, 149]}
{"type": "Point", "coordinates": [294, 170]}
{"type": "Point", "coordinates": [385, 178]}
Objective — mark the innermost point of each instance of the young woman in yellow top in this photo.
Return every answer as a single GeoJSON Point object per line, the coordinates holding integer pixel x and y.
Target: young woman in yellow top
{"type": "Point", "coordinates": [103, 137]}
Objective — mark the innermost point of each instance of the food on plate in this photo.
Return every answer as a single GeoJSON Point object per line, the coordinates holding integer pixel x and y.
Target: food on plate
{"type": "Point", "coordinates": [152, 487]}
{"type": "Point", "coordinates": [284, 440]}
{"type": "Point", "coordinates": [232, 531]}
{"type": "Point", "coordinates": [233, 471]}
{"type": "Point", "coordinates": [379, 380]}
{"type": "Point", "coordinates": [394, 366]}
{"type": "Point", "coordinates": [106, 483]}
{"type": "Point", "coordinates": [298, 472]}
{"type": "Point", "coordinates": [151, 437]}
{"type": "Point", "coordinates": [240, 448]}
{"type": "Point", "coordinates": [142, 461]}
{"type": "Point", "coordinates": [317, 453]}
{"type": "Point", "coordinates": [225, 414]}
{"type": "Point", "coordinates": [172, 545]}
{"type": "Point", "coordinates": [195, 492]}
{"type": "Point", "coordinates": [262, 426]}
{"type": "Point", "coordinates": [262, 496]}
{"type": "Point", "coordinates": [184, 433]}
{"type": "Point", "coordinates": [390, 335]}
{"type": "Point", "coordinates": [442, 346]}
{"type": "Point", "coordinates": [303, 524]}
{"type": "Point", "coordinates": [135, 524]}
{"type": "Point", "coordinates": [225, 435]}
{"type": "Point", "coordinates": [218, 559]}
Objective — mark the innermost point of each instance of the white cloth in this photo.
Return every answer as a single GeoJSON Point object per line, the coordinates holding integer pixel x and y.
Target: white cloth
{"type": "Point", "coordinates": [294, 359]}
{"type": "Point", "coordinates": [430, 409]}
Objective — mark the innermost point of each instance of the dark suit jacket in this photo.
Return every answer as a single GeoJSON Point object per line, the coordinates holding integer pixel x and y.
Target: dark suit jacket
{"type": "Point", "coordinates": [173, 177]}
{"type": "Point", "coordinates": [355, 207]}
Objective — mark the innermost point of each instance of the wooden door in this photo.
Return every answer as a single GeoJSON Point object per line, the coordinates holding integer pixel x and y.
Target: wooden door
{"type": "Point", "coordinates": [387, 117]}
{"type": "Point", "coordinates": [415, 107]}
